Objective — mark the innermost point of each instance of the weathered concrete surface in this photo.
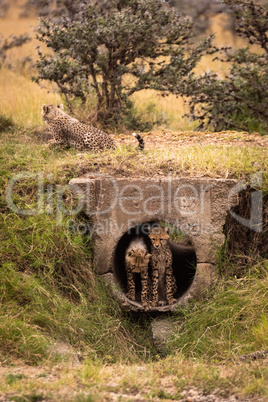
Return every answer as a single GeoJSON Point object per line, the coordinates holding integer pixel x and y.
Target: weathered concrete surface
{"type": "Point", "coordinates": [196, 206]}
{"type": "Point", "coordinates": [162, 329]}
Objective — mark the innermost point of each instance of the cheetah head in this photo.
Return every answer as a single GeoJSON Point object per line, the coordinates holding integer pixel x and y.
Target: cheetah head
{"type": "Point", "coordinates": [159, 236]}
{"type": "Point", "coordinates": [51, 112]}
{"type": "Point", "coordinates": [138, 259]}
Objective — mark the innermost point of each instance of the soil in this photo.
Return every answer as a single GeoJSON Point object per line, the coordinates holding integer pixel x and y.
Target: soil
{"type": "Point", "coordinates": [55, 379]}
{"type": "Point", "coordinates": [166, 139]}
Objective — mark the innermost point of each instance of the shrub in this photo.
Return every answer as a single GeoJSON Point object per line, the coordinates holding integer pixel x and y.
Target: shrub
{"type": "Point", "coordinates": [131, 46]}
{"type": "Point", "coordinates": [240, 99]}
{"type": "Point", "coordinates": [4, 7]}
{"type": "Point", "coordinates": [49, 8]}
{"type": "Point", "coordinates": [10, 42]}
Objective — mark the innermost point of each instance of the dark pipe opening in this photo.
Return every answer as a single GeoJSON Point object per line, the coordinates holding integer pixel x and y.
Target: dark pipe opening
{"type": "Point", "coordinates": [184, 261]}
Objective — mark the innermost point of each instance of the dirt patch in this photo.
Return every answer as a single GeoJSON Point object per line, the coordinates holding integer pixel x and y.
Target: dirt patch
{"type": "Point", "coordinates": [166, 138]}
{"type": "Point", "coordinates": [111, 383]}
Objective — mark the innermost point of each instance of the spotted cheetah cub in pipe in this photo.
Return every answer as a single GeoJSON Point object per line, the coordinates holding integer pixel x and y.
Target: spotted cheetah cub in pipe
{"type": "Point", "coordinates": [137, 261]}
{"type": "Point", "coordinates": [68, 131]}
{"type": "Point", "coordinates": [163, 280]}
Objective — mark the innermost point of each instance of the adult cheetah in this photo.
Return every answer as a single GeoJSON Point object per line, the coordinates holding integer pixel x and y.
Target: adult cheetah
{"type": "Point", "coordinates": [68, 131]}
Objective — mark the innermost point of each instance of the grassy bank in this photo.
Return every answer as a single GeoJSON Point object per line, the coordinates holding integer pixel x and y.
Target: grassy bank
{"type": "Point", "coordinates": [49, 293]}
{"type": "Point", "coordinates": [179, 156]}
{"type": "Point", "coordinates": [233, 322]}
{"type": "Point", "coordinates": [55, 310]}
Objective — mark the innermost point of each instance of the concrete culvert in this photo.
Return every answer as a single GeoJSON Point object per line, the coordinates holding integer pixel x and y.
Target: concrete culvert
{"type": "Point", "coordinates": [184, 263]}
{"type": "Point", "coordinates": [118, 206]}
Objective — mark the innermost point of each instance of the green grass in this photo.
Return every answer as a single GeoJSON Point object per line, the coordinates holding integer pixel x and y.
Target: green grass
{"type": "Point", "coordinates": [232, 322]}
{"type": "Point", "coordinates": [30, 154]}
{"type": "Point", "coordinates": [40, 308]}
{"type": "Point", "coordinates": [11, 378]}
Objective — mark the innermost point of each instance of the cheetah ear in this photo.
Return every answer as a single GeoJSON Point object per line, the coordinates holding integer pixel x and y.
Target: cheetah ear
{"type": "Point", "coordinates": [44, 108]}
{"type": "Point", "coordinates": [153, 228]}
{"type": "Point", "coordinates": [60, 106]}
{"type": "Point", "coordinates": [166, 229]}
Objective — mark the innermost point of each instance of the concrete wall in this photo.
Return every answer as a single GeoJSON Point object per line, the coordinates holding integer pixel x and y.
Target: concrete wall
{"type": "Point", "coordinates": [196, 206]}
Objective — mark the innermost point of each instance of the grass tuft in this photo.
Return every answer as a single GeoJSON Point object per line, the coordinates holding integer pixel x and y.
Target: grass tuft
{"type": "Point", "coordinates": [228, 324]}
{"type": "Point", "coordinates": [6, 123]}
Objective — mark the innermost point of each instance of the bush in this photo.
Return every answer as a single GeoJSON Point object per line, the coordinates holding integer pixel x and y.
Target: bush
{"type": "Point", "coordinates": [49, 8]}
{"type": "Point", "coordinates": [133, 45]}
{"type": "Point", "coordinates": [4, 7]}
{"type": "Point", "coordinates": [5, 123]}
{"type": "Point", "coordinates": [239, 100]}
{"type": "Point", "coordinates": [10, 42]}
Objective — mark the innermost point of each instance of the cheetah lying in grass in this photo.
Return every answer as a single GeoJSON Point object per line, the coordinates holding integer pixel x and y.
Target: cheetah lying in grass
{"type": "Point", "coordinates": [68, 131]}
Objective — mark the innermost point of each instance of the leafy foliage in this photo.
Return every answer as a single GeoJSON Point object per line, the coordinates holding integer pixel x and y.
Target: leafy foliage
{"type": "Point", "coordinates": [4, 6]}
{"type": "Point", "coordinates": [200, 11]}
{"type": "Point", "coordinates": [240, 99]}
{"type": "Point", "coordinates": [10, 42]}
{"type": "Point", "coordinates": [116, 52]}
{"type": "Point", "coordinates": [60, 7]}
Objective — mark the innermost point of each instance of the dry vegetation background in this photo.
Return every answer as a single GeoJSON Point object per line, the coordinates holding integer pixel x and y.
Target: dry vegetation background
{"type": "Point", "coordinates": [22, 98]}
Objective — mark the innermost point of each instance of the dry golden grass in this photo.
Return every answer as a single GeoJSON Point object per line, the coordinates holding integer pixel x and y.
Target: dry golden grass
{"type": "Point", "coordinates": [22, 99]}
{"type": "Point", "coordinates": [13, 24]}
{"type": "Point", "coordinates": [168, 110]}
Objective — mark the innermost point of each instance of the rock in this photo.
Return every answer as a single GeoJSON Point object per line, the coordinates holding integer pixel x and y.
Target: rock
{"type": "Point", "coordinates": [162, 328]}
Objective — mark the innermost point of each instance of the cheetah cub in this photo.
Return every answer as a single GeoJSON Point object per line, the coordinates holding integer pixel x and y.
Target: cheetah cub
{"type": "Point", "coordinates": [163, 280]}
{"type": "Point", "coordinates": [137, 261]}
